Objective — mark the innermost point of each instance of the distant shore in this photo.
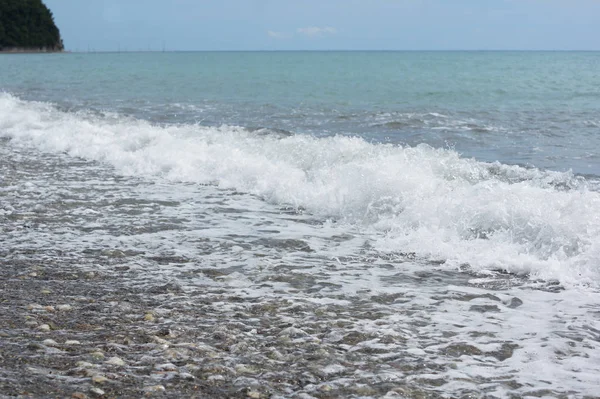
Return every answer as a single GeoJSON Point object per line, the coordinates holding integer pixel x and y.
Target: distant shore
{"type": "Point", "coordinates": [27, 50]}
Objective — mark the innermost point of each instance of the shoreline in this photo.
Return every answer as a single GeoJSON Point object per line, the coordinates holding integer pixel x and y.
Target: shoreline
{"type": "Point", "coordinates": [20, 50]}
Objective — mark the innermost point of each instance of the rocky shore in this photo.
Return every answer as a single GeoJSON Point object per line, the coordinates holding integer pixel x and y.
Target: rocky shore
{"type": "Point", "coordinates": [71, 333]}
{"type": "Point", "coordinates": [28, 50]}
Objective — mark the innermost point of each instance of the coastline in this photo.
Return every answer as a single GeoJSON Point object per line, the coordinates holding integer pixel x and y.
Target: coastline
{"type": "Point", "coordinates": [27, 50]}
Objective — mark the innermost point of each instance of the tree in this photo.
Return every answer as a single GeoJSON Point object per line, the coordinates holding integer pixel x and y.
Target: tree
{"type": "Point", "coordinates": [28, 24]}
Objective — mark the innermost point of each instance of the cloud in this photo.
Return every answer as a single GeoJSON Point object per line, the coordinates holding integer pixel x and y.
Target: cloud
{"type": "Point", "coordinates": [316, 31]}
{"type": "Point", "coordinates": [277, 35]}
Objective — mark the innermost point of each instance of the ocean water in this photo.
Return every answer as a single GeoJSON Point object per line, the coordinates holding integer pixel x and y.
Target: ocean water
{"type": "Point", "coordinates": [454, 194]}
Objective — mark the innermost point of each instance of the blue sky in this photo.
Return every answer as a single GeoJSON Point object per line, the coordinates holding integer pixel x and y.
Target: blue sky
{"type": "Point", "coordinates": [106, 25]}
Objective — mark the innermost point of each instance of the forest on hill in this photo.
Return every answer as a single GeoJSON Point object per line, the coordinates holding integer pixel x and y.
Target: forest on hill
{"type": "Point", "coordinates": [28, 25]}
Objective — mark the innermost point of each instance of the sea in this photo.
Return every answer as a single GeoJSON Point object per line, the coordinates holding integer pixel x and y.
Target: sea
{"type": "Point", "coordinates": [436, 213]}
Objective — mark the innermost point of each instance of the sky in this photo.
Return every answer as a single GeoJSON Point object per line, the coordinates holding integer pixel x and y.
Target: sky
{"type": "Point", "coordinates": [187, 25]}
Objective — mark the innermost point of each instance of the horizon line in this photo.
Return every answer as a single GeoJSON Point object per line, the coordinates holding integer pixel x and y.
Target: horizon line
{"type": "Point", "coordinates": [77, 51]}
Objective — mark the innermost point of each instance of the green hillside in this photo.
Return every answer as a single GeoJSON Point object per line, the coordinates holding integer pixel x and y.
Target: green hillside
{"type": "Point", "coordinates": [28, 25]}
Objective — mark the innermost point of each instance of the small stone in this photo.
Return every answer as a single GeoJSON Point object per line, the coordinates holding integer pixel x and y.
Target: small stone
{"type": "Point", "coordinates": [33, 274]}
{"type": "Point", "coordinates": [50, 342]}
{"type": "Point", "coordinates": [46, 292]}
{"type": "Point", "coordinates": [31, 323]}
{"type": "Point", "coordinates": [154, 389]}
{"type": "Point", "coordinates": [34, 306]}
{"type": "Point", "coordinates": [165, 367]}
{"type": "Point", "coordinates": [79, 395]}
{"type": "Point", "coordinates": [84, 365]}
{"type": "Point", "coordinates": [253, 394]}
{"type": "Point", "coordinates": [72, 342]}
{"type": "Point", "coordinates": [99, 379]}
{"type": "Point", "coordinates": [49, 309]}
{"type": "Point", "coordinates": [44, 327]}
{"type": "Point", "coordinates": [326, 388]}
{"type": "Point", "coordinates": [97, 391]}
{"type": "Point", "coordinates": [186, 376]}
{"type": "Point", "coordinates": [243, 369]}
{"type": "Point", "coordinates": [514, 303]}
{"type": "Point", "coordinates": [159, 340]}
{"type": "Point", "coordinates": [116, 361]}
{"type": "Point", "coordinates": [149, 317]}
{"type": "Point", "coordinates": [484, 308]}
{"type": "Point", "coordinates": [97, 355]}
{"type": "Point", "coordinates": [64, 308]}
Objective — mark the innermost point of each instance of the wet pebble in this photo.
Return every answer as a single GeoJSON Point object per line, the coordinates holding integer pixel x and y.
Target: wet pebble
{"type": "Point", "coordinates": [484, 308]}
{"type": "Point", "coordinates": [514, 303]}
{"type": "Point", "coordinates": [64, 307]}
{"type": "Point", "coordinates": [116, 361]}
{"type": "Point", "coordinates": [97, 391]}
{"type": "Point", "coordinates": [84, 365]}
{"type": "Point", "coordinates": [154, 389]}
{"type": "Point", "coordinates": [44, 327]}
{"type": "Point", "coordinates": [253, 394]}
{"type": "Point", "coordinates": [99, 379]}
{"type": "Point", "coordinates": [165, 367]}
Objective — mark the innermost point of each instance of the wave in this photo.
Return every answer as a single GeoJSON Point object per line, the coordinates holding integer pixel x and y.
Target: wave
{"type": "Point", "coordinates": [420, 199]}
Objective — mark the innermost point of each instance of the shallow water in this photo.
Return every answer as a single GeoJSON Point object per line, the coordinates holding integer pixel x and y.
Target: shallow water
{"type": "Point", "coordinates": [327, 262]}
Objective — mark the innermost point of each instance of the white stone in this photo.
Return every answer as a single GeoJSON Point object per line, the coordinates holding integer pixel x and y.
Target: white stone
{"type": "Point", "coordinates": [99, 379]}
{"type": "Point", "coordinates": [116, 361]}
{"type": "Point", "coordinates": [97, 391]}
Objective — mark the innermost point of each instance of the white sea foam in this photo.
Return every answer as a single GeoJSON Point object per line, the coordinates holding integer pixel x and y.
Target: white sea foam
{"type": "Point", "coordinates": [408, 199]}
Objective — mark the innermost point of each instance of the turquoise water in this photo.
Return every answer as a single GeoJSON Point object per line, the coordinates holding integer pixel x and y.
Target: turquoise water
{"type": "Point", "coordinates": [423, 224]}
{"type": "Point", "coordinates": [527, 108]}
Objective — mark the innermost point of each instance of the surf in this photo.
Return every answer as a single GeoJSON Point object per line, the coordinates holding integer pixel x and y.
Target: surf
{"type": "Point", "coordinates": [424, 200]}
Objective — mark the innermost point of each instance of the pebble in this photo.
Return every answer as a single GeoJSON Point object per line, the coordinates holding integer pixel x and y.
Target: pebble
{"type": "Point", "coordinates": [64, 308]}
{"type": "Point", "coordinates": [186, 376]}
{"type": "Point", "coordinates": [34, 306]}
{"type": "Point", "coordinates": [97, 355]}
{"type": "Point", "coordinates": [165, 367]}
{"type": "Point", "coordinates": [49, 309]}
{"type": "Point", "coordinates": [84, 365]}
{"type": "Point", "coordinates": [44, 327]}
{"type": "Point", "coordinates": [97, 391]}
{"type": "Point", "coordinates": [243, 369]}
{"type": "Point", "coordinates": [46, 292]}
{"type": "Point", "coordinates": [79, 395]}
{"type": "Point", "coordinates": [72, 342]}
{"type": "Point", "coordinates": [253, 394]}
{"type": "Point", "coordinates": [159, 340]}
{"type": "Point", "coordinates": [50, 342]}
{"type": "Point", "coordinates": [149, 317]}
{"type": "Point", "coordinates": [192, 367]}
{"type": "Point", "coordinates": [99, 379]}
{"type": "Point", "coordinates": [154, 389]}
{"type": "Point", "coordinates": [116, 361]}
